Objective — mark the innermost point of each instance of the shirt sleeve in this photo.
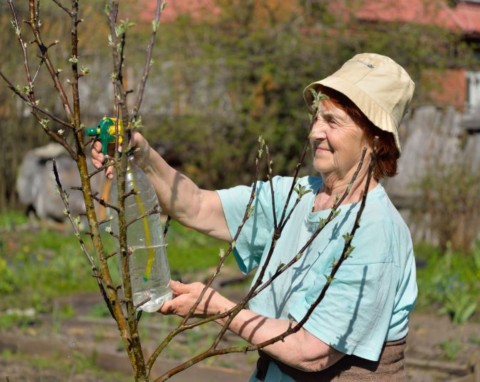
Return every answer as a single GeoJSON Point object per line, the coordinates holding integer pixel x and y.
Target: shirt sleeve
{"type": "Point", "coordinates": [257, 230]}
{"type": "Point", "coordinates": [355, 313]}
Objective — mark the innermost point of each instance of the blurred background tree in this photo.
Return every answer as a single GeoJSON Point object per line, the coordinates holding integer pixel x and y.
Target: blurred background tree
{"type": "Point", "coordinates": [222, 76]}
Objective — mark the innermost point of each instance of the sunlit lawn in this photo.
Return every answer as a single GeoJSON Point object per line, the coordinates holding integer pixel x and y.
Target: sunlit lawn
{"type": "Point", "coordinates": [37, 265]}
{"type": "Point", "coordinates": [40, 264]}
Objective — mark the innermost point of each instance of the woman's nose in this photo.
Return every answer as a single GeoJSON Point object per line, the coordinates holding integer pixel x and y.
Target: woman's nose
{"type": "Point", "coordinates": [318, 130]}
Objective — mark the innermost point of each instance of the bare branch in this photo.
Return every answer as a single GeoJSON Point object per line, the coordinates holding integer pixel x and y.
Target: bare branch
{"type": "Point", "coordinates": [148, 60]}
{"type": "Point", "coordinates": [183, 324]}
{"type": "Point", "coordinates": [293, 328]}
{"type": "Point", "coordinates": [98, 277]}
{"type": "Point", "coordinates": [65, 9]}
{"type": "Point", "coordinates": [23, 47]}
{"type": "Point", "coordinates": [35, 25]}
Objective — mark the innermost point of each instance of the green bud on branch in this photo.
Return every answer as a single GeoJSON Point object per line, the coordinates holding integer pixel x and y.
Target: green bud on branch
{"type": "Point", "coordinates": [301, 190]}
{"type": "Point", "coordinates": [137, 123]}
{"type": "Point", "coordinates": [123, 26]}
{"type": "Point", "coordinates": [349, 251]}
{"type": "Point", "coordinates": [329, 279]}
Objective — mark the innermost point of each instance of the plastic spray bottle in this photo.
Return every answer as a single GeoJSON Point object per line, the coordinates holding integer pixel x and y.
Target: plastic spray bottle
{"type": "Point", "coordinates": [148, 263]}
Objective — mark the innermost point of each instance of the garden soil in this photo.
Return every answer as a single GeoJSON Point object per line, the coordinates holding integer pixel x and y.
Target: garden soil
{"type": "Point", "coordinates": [437, 351]}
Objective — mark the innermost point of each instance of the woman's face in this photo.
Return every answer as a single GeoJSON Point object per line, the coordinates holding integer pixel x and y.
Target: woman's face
{"type": "Point", "coordinates": [337, 142]}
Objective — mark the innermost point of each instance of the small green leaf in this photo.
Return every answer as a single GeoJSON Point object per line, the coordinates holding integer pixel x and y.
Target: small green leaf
{"type": "Point", "coordinates": [137, 123]}
{"type": "Point", "coordinates": [123, 26]}
{"type": "Point", "coordinates": [329, 278]}
{"type": "Point", "coordinates": [301, 190]}
{"type": "Point", "coordinates": [323, 222]}
{"type": "Point", "coordinates": [349, 251]}
{"type": "Point", "coordinates": [110, 41]}
{"type": "Point", "coordinates": [317, 98]}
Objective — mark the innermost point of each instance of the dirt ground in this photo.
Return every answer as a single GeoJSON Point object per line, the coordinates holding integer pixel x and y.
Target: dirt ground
{"type": "Point", "coordinates": [437, 351]}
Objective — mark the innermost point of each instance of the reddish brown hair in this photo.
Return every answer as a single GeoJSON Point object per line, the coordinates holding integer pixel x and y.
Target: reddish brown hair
{"type": "Point", "coordinates": [386, 148]}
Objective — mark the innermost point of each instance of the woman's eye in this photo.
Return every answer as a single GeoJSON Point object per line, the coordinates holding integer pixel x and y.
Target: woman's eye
{"type": "Point", "coordinates": [332, 122]}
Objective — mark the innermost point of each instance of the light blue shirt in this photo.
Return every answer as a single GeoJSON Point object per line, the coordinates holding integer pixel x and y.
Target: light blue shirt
{"type": "Point", "coordinates": [373, 292]}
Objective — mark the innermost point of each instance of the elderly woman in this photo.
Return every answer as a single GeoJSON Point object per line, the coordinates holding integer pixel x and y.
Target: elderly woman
{"type": "Point", "coordinates": [358, 330]}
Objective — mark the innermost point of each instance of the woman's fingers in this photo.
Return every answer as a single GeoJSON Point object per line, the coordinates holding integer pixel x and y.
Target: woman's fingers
{"type": "Point", "coordinates": [99, 159]}
{"type": "Point", "coordinates": [179, 288]}
{"type": "Point", "coordinates": [185, 296]}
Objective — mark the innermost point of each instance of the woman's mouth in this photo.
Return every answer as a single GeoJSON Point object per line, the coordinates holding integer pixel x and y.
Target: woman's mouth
{"type": "Point", "coordinates": [322, 148]}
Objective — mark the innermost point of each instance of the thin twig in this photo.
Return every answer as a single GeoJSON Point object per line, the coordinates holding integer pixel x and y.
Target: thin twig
{"type": "Point", "coordinates": [35, 108]}
{"type": "Point", "coordinates": [130, 334]}
{"type": "Point", "coordinates": [34, 25]}
{"type": "Point", "coordinates": [183, 326]}
{"type": "Point", "coordinates": [329, 218]}
{"type": "Point", "coordinates": [344, 255]}
{"type": "Point", "coordinates": [211, 352]}
{"type": "Point", "coordinates": [64, 196]}
{"type": "Point", "coordinates": [148, 60]}
{"type": "Point", "coordinates": [65, 9]}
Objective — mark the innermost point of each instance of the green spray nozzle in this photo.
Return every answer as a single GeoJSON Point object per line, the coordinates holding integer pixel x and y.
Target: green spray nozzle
{"type": "Point", "coordinates": [107, 131]}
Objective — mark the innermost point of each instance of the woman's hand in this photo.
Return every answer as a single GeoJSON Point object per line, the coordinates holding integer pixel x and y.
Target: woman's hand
{"type": "Point", "coordinates": [185, 296]}
{"type": "Point", "coordinates": [300, 350]}
{"type": "Point", "coordinates": [137, 142]}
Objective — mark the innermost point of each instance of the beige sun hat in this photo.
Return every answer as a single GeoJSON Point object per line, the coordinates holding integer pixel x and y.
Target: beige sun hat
{"type": "Point", "coordinates": [379, 87]}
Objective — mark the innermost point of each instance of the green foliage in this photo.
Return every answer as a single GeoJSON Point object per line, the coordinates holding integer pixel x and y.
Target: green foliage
{"type": "Point", "coordinates": [20, 132]}
{"type": "Point", "coordinates": [450, 194]}
{"type": "Point", "coordinates": [65, 365]}
{"type": "Point", "coordinates": [7, 281]}
{"type": "Point", "coordinates": [190, 251]}
{"type": "Point", "coordinates": [241, 74]}
{"type": "Point", "coordinates": [99, 311]}
{"type": "Point", "coordinates": [217, 82]}
{"type": "Point", "coordinates": [16, 318]}
{"type": "Point", "coordinates": [449, 282]}
{"type": "Point", "coordinates": [10, 219]}
{"type": "Point", "coordinates": [238, 79]}
{"type": "Point", "coordinates": [40, 265]}
{"type": "Point", "coordinates": [451, 349]}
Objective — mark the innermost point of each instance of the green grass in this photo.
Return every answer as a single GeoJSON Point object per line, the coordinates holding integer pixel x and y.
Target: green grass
{"type": "Point", "coordinates": [36, 266]}
{"type": "Point", "coordinates": [40, 265]}
{"type": "Point", "coordinates": [61, 367]}
{"type": "Point", "coordinates": [9, 220]}
{"type": "Point", "coordinates": [188, 250]}
{"type": "Point", "coordinates": [449, 282]}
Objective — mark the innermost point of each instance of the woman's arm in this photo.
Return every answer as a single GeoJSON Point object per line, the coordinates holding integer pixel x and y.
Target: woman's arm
{"type": "Point", "coordinates": [179, 196]}
{"type": "Point", "coordinates": [300, 350]}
